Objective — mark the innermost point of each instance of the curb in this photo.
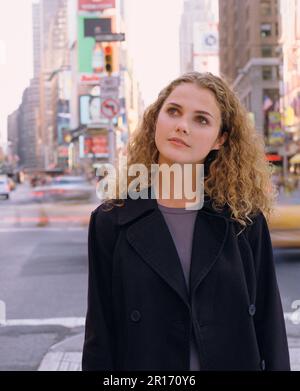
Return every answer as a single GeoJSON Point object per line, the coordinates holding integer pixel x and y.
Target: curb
{"type": "Point", "coordinates": [64, 356]}
{"type": "Point", "coordinates": [61, 361]}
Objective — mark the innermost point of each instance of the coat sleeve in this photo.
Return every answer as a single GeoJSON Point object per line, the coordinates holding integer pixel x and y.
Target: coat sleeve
{"type": "Point", "coordinates": [98, 341]}
{"type": "Point", "coordinates": [268, 318]}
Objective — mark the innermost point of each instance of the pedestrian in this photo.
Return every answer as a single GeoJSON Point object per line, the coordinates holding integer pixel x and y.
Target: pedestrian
{"type": "Point", "coordinates": [178, 288]}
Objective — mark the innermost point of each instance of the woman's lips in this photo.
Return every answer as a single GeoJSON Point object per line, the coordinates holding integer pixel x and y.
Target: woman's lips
{"type": "Point", "coordinates": [178, 142]}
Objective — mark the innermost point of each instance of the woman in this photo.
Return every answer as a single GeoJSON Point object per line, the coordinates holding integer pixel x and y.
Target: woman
{"type": "Point", "coordinates": [175, 288]}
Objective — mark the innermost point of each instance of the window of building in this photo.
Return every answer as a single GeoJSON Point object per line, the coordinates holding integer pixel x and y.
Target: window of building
{"type": "Point", "coordinates": [266, 51]}
{"type": "Point", "coordinates": [265, 30]}
{"type": "Point", "coordinates": [247, 34]}
{"type": "Point", "coordinates": [248, 54]}
{"type": "Point", "coordinates": [267, 73]}
{"type": "Point", "coordinates": [276, 29]}
{"type": "Point", "coordinates": [265, 7]}
{"type": "Point", "coordinates": [247, 12]}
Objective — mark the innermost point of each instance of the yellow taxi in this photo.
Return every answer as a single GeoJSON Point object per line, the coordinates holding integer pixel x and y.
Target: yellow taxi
{"type": "Point", "coordinates": [284, 223]}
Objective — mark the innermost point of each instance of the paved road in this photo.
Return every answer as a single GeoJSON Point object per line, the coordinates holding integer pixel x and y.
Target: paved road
{"type": "Point", "coordinates": [43, 284]}
{"type": "Point", "coordinates": [43, 279]}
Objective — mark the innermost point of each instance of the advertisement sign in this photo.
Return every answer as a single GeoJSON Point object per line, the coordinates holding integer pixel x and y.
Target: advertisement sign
{"type": "Point", "coordinates": [95, 26]}
{"type": "Point", "coordinates": [63, 151]}
{"type": "Point", "coordinates": [95, 5]}
{"type": "Point", "coordinates": [276, 134]}
{"type": "Point", "coordinates": [90, 111]}
{"type": "Point", "coordinates": [62, 118]}
{"type": "Point", "coordinates": [96, 146]}
{"type": "Point", "coordinates": [85, 78]}
{"type": "Point", "coordinates": [91, 55]}
{"type": "Point", "coordinates": [206, 38]}
{"type": "Point", "coordinates": [206, 47]}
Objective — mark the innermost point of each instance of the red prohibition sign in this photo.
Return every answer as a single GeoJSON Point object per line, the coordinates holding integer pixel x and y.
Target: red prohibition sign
{"type": "Point", "coordinates": [110, 108]}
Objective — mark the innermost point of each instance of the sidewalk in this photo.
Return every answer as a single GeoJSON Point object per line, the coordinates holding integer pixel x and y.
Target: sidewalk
{"type": "Point", "coordinates": [64, 356]}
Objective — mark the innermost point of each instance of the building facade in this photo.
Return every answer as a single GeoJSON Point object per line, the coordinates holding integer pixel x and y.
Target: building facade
{"type": "Point", "coordinates": [290, 86]}
{"type": "Point", "coordinates": [250, 58]}
{"type": "Point", "coordinates": [199, 36]}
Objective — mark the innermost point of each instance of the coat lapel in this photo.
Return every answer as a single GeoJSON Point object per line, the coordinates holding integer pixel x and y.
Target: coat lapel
{"type": "Point", "coordinates": [151, 239]}
{"type": "Point", "coordinates": [210, 234]}
{"type": "Point", "coordinates": [149, 235]}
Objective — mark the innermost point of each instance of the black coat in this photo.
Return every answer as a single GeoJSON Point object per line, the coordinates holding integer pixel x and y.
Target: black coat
{"type": "Point", "coordinates": [140, 315]}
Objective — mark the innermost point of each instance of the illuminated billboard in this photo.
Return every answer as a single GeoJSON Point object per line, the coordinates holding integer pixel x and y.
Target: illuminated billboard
{"type": "Point", "coordinates": [95, 5]}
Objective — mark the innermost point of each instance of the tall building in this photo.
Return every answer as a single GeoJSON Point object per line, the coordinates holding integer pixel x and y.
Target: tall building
{"type": "Point", "coordinates": [13, 134]}
{"type": "Point", "coordinates": [54, 56]}
{"type": "Point", "coordinates": [290, 86]}
{"type": "Point", "coordinates": [199, 37]}
{"type": "Point", "coordinates": [36, 37]}
{"type": "Point", "coordinates": [43, 113]}
{"type": "Point", "coordinates": [249, 57]}
{"type": "Point", "coordinates": [28, 112]}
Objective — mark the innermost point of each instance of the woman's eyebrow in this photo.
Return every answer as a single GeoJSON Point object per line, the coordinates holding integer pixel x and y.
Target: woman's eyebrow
{"type": "Point", "coordinates": [197, 111]}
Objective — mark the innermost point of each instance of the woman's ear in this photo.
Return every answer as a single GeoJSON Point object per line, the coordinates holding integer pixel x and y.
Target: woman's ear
{"type": "Point", "coordinates": [221, 140]}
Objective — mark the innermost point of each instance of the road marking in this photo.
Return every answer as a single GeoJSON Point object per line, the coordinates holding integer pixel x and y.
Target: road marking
{"type": "Point", "coordinates": [40, 229]}
{"type": "Point", "coordinates": [45, 219]}
{"type": "Point", "coordinates": [66, 322]}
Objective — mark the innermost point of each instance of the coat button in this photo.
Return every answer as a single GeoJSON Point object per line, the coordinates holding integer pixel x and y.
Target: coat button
{"type": "Point", "coordinates": [252, 309]}
{"type": "Point", "coordinates": [135, 316]}
{"type": "Point", "coordinates": [263, 365]}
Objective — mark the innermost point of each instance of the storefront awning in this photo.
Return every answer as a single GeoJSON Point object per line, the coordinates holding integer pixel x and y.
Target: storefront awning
{"type": "Point", "coordinates": [274, 158]}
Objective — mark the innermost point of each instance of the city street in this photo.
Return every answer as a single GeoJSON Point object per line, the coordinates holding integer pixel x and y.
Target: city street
{"type": "Point", "coordinates": [43, 280]}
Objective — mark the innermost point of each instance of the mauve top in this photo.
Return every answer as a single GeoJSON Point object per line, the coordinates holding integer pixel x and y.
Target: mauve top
{"type": "Point", "coordinates": [180, 222]}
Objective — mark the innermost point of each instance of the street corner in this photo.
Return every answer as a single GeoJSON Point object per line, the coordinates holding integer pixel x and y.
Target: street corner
{"type": "Point", "coordinates": [65, 355]}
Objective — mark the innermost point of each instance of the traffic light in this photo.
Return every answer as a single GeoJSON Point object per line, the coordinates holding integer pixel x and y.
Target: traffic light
{"type": "Point", "coordinates": [108, 59]}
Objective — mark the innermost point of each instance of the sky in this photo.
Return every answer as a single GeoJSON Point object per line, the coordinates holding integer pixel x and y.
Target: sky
{"type": "Point", "coordinates": [153, 43]}
{"type": "Point", "coordinates": [16, 67]}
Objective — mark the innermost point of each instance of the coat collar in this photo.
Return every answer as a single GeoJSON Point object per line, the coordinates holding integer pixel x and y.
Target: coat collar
{"type": "Point", "coordinates": [135, 208]}
{"type": "Point", "coordinates": [148, 230]}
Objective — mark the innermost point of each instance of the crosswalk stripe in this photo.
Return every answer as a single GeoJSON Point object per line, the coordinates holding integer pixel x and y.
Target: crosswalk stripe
{"type": "Point", "coordinates": [66, 322]}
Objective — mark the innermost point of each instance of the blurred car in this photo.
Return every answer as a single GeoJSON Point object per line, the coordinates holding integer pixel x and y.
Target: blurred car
{"type": "Point", "coordinates": [64, 187]}
{"type": "Point", "coordinates": [284, 223]}
{"type": "Point", "coordinates": [4, 187]}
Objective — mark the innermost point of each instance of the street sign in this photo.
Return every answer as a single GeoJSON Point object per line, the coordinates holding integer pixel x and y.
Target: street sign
{"type": "Point", "coordinates": [288, 150]}
{"type": "Point", "coordinates": [109, 81]}
{"type": "Point", "coordinates": [109, 87]}
{"type": "Point", "coordinates": [110, 108]}
{"type": "Point", "coordinates": [110, 37]}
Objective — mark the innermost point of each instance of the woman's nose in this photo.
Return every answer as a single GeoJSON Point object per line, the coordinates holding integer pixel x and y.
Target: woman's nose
{"type": "Point", "coordinates": [182, 127]}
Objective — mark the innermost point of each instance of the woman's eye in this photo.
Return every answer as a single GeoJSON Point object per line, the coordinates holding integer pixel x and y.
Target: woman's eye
{"type": "Point", "coordinates": [172, 110]}
{"type": "Point", "coordinates": [202, 120]}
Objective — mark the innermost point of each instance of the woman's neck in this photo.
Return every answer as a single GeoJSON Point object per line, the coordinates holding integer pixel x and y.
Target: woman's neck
{"type": "Point", "coordinates": [172, 195]}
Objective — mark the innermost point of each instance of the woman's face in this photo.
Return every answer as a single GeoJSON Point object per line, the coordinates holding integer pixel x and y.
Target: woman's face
{"type": "Point", "coordinates": [191, 114]}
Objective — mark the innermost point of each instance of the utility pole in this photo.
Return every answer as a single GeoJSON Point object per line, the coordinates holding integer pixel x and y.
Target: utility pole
{"type": "Point", "coordinates": [111, 143]}
{"type": "Point", "coordinates": [282, 113]}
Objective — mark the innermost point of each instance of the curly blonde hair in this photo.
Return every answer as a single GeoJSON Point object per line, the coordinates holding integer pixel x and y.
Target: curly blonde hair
{"type": "Point", "coordinates": [240, 175]}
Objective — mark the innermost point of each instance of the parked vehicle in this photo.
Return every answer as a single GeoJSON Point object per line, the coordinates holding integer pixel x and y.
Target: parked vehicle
{"type": "Point", "coordinates": [4, 187]}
